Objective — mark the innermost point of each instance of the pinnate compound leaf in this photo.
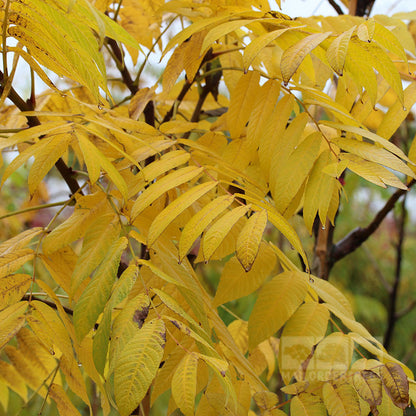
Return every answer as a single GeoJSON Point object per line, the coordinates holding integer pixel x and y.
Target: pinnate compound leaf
{"type": "Point", "coordinates": [154, 191]}
{"type": "Point", "coordinates": [368, 385]}
{"type": "Point", "coordinates": [395, 384]}
{"type": "Point", "coordinates": [60, 397]}
{"type": "Point", "coordinates": [292, 57]}
{"type": "Point", "coordinates": [249, 239]}
{"type": "Point", "coordinates": [137, 364]}
{"type": "Point", "coordinates": [94, 297]}
{"type": "Point", "coordinates": [184, 383]}
{"type": "Point", "coordinates": [197, 224]}
{"type": "Point", "coordinates": [341, 400]}
{"type": "Point", "coordinates": [219, 230]}
{"type": "Point", "coordinates": [277, 301]}
{"type": "Point", "coordinates": [175, 208]}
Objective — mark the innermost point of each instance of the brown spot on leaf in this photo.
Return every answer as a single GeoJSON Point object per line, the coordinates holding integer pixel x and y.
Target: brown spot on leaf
{"type": "Point", "coordinates": [140, 315]}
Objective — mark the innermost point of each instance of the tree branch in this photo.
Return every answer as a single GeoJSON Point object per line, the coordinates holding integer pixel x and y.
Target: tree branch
{"type": "Point", "coordinates": [392, 314]}
{"type": "Point", "coordinates": [65, 171]}
{"type": "Point", "coordinates": [356, 237]}
{"type": "Point", "coordinates": [336, 7]}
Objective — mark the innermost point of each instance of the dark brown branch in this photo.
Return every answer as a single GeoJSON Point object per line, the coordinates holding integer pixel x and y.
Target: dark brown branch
{"type": "Point", "coordinates": [128, 81]}
{"type": "Point", "coordinates": [65, 171]}
{"type": "Point", "coordinates": [185, 88]}
{"type": "Point", "coordinates": [392, 314]}
{"type": "Point", "coordinates": [356, 237]}
{"type": "Point", "coordinates": [336, 7]}
{"type": "Point", "coordinates": [67, 310]}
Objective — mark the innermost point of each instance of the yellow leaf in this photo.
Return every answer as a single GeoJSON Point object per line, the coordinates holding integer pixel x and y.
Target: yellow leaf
{"type": "Point", "coordinates": [64, 405]}
{"type": "Point", "coordinates": [73, 376]}
{"type": "Point", "coordinates": [87, 208]}
{"type": "Point", "coordinates": [60, 264]}
{"type": "Point", "coordinates": [19, 241]}
{"type": "Point", "coordinates": [174, 306]}
{"type": "Point", "coordinates": [102, 232]}
{"type": "Point", "coordinates": [249, 239]}
{"type": "Point", "coordinates": [397, 113]}
{"type": "Point", "coordinates": [331, 295]}
{"type": "Point", "coordinates": [242, 97]}
{"type": "Point", "coordinates": [273, 131]}
{"type": "Point", "coordinates": [219, 230]}
{"type": "Point", "coordinates": [277, 301]}
{"type": "Point", "coordinates": [46, 153]}
{"type": "Point", "coordinates": [12, 288]}
{"type": "Point", "coordinates": [368, 385]}
{"type": "Point", "coordinates": [49, 328]}
{"type": "Point", "coordinates": [293, 56]}
{"type": "Point", "coordinates": [319, 191]}
{"type": "Point", "coordinates": [184, 383]}
{"type": "Point", "coordinates": [137, 364]}
{"type": "Point", "coordinates": [396, 384]}
{"type": "Point", "coordinates": [155, 190]}
{"type": "Point", "coordinates": [266, 100]}
{"type": "Point", "coordinates": [302, 332]}
{"type": "Point", "coordinates": [177, 126]}
{"type": "Point", "coordinates": [341, 400]}
{"type": "Point", "coordinates": [94, 160]}
{"type": "Point", "coordinates": [186, 56]}
{"type": "Point", "coordinates": [306, 404]}
{"type": "Point", "coordinates": [372, 172]}
{"type": "Point", "coordinates": [239, 331]}
{"type": "Point", "coordinates": [258, 43]}
{"type": "Point", "coordinates": [236, 283]}
{"type": "Point", "coordinates": [338, 50]}
{"type": "Point", "coordinates": [10, 376]}
{"type": "Point", "coordinates": [126, 323]}
{"type": "Point", "coordinates": [175, 208]}
{"type": "Point", "coordinates": [287, 182]}
{"type": "Point", "coordinates": [95, 295]}
{"type": "Point", "coordinates": [197, 224]}
{"type": "Point", "coordinates": [167, 162]}
{"type": "Point", "coordinates": [332, 358]}
{"type": "Point", "coordinates": [373, 153]}
{"type": "Point", "coordinates": [11, 320]}
{"type": "Point", "coordinates": [11, 261]}
{"type": "Point", "coordinates": [358, 64]}
{"type": "Point", "coordinates": [140, 100]}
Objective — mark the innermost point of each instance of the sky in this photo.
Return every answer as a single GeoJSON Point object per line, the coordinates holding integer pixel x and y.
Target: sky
{"type": "Point", "coordinates": [305, 8]}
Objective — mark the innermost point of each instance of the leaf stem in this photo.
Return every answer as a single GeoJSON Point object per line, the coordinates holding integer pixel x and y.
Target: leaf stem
{"type": "Point", "coordinates": [34, 208]}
